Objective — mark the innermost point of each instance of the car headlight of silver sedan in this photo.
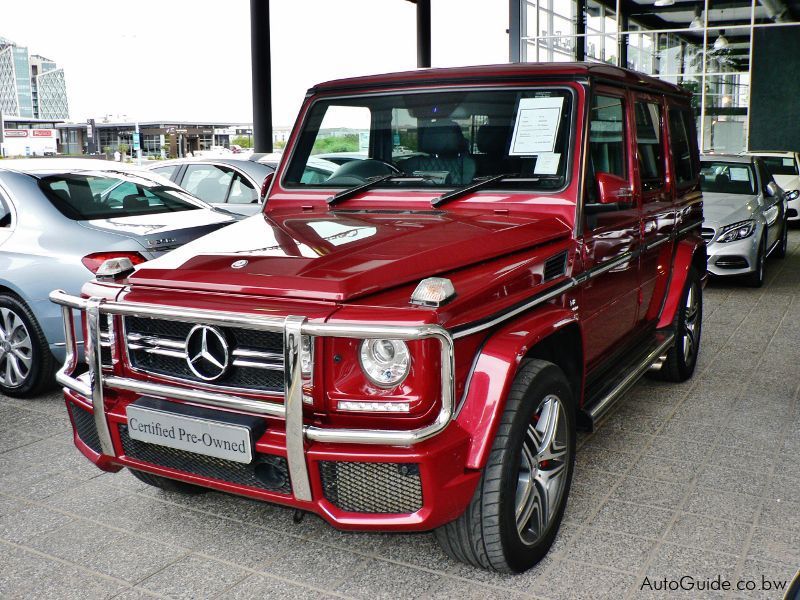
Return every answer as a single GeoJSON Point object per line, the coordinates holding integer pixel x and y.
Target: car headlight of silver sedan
{"type": "Point", "coordinates": [737, 231]}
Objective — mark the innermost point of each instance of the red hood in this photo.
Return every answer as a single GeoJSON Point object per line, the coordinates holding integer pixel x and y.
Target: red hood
{"type": "Point", "coordinates": [342, 255]}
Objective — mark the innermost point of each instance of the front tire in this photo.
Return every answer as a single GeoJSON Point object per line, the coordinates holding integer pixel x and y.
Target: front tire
{"type": "Point", "coordinates": [519, 503]}
{"type": "Point", "coordinates": [26, 363]}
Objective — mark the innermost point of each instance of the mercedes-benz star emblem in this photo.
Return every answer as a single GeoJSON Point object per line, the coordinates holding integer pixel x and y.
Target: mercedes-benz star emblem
{"type": "Point", "coordinates": [239, 264]}
{"type": "Point", "coordinates": [207, 352]}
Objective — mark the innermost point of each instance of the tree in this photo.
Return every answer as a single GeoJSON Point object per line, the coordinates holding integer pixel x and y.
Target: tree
{"type": "Point", "coordinates": [243, 140]}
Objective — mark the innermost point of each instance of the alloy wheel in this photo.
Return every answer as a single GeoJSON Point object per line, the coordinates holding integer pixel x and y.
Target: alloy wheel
{"type": "Point", "coordinates": [543, 470]}
{"type": "Point", "coordinates": [691, 323]}
{"type": "Point", "coordinates": [16, 349]}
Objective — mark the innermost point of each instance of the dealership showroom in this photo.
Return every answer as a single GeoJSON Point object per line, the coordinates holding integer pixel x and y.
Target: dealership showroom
{"type": "Point", "coordinates": [524, 330]}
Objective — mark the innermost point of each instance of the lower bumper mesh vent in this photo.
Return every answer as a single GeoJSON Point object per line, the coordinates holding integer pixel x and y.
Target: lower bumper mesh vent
{"type": "Point", "coordinates": [372, 487]}
{"type": "Point", "coordinates": [266, 472]}
{"type": "Point", "coordinates": [84, 425]}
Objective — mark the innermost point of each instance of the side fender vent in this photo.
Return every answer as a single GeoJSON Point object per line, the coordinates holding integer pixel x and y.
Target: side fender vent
{"type": "Point", "coordinates": [555, 266]}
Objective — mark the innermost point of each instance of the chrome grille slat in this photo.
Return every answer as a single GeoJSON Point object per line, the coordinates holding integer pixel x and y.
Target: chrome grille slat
{"type": "Point", "coordinates": [159, 347]}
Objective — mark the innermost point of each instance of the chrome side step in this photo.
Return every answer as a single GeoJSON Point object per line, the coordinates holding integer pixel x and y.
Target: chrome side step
{"type": "Point", "coordinates": [653, 357]}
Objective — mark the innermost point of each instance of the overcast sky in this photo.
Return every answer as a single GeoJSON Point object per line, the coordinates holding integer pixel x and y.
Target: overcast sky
{"type": "Point", "coordinates": [190, 59]}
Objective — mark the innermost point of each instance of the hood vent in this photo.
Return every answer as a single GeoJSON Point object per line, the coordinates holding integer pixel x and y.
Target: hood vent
{"type": "Point", "coordinates": [555, 266]}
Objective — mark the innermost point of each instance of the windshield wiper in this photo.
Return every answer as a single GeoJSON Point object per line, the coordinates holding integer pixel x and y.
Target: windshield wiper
{"type": "Point", "coordinates": [485, 182]}
{"type": "Point", "coordinates": [358, 189]}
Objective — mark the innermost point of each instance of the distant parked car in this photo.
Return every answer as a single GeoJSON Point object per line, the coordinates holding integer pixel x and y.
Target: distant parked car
{"type": "Point", "coordinates": [60, 219]}
{"type": "Point", "coordinates": [228, 182]}
{"type": "Point", "coordinates": [744, 216]}
{"type": "Point", "coordinates": [785, 168]}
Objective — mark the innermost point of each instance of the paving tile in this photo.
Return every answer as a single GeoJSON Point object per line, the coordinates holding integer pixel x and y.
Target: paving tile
{"type": "Point", "coordinates": [568, 580]}
{"type": "Point", "coordinates": [732, 506]}
{"type": "Point", "coordinates": [31, 521]}
{"type": "Point", "coordinates": [651, 492]}
{"type": "Point", "coordinates": [313, 564]}
{"type": "Point", "coordinates": [263, 587]}
{"type": "Point", "coordinates": [662, 469]}
{"type": "Point", "coordinates": [744, 481]}
{"type": "Point", "coordinates": [378, 579]}
{"type": "Point", "coordinates": [708, 534]}
{"type": "Point", "coordinates": [780, 514]}
{"type": "Point", "coordinates": [602, 459]}
{"type": "Point", "coordinates": [194, 577]}
{"type": "Point", "coordinates": [606, 549]}
{"type": "Point", "coordinates": [779, 545]}
{"type": "Point", "coordinates": [624, 517]}
{"type": "Point", "coordinates": [108, 551]}
{"type": "Point", "coordinates": [26, 574]}
{"type": "Point", "coordinates": [447, 589]}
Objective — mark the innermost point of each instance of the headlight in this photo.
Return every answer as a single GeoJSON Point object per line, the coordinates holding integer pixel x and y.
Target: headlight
{"type": "Point", "coordinates": [385, 362]}
{"type": "Point", "coordinates": [737, 231]}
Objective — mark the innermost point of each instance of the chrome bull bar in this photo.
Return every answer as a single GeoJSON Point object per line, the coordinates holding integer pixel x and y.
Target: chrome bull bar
{"type": "Point", "coordinates": [292, 328]}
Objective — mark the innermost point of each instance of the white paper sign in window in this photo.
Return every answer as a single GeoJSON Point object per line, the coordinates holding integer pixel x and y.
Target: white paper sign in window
{"type": "Point", "coordinates": [547, 163]}
{"type": "Point", "coordinates": [537, 126]}
{"type": "Point", "coordinates": [739, 174]}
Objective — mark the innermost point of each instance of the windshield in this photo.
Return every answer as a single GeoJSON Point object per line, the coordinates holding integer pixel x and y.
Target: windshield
{"type": "Point", "coordinates": [438, 140]}
{"type": "Point", "coordinates": [727, 178]}
{"type": "Point", "coordinates": [778, 165]}
{"type": "Point", "coordinates": [84, 196]}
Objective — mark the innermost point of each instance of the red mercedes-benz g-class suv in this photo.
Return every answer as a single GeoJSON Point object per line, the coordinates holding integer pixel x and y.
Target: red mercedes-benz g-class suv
{"type": "Point", "coordinates": [454, 269]}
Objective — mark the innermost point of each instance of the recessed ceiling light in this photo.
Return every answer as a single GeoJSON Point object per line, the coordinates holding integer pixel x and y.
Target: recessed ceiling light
{"type": "Point", "coordinates": [664, 2]}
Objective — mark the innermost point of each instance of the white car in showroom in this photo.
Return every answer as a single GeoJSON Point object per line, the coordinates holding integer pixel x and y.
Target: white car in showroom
{"type": "Point", "coordinates": [744, 213]}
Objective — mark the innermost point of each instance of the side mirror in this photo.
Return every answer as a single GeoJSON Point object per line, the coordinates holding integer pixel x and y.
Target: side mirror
{"type": "Point", "coordinates": [612, 189]}
{"type": "Point", "coordinates": [265, 185]}
{"type": "Point", "coordinates": [792, 195]}
{"type": "Point", "coordinates": [772, 189]}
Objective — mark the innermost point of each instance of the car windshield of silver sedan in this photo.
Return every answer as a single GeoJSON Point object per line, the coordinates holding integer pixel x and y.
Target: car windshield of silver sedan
{"type": "Point", "coordinates": [83, 196]}
{"type": "Point", "coordinates": [727, 178]}
{"type": "Point", "coordinates": [439, 140]}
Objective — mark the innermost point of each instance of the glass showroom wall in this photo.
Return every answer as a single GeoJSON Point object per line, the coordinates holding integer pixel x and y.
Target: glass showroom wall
{"type": "Point", "coordinates": [704, 49]}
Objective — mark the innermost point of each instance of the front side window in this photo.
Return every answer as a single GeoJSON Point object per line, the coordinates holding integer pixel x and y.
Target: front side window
{"type": "Point", "coordinates": [441, 139]}
{"type": "Point", "coordinates": [607, 135]}
{"type": "Point", "coordinates": [84, 196]}
{"type": "Point", "coordinates": [727, 178]}
{"type": "Point", "coordinates": [778, 165]}
{"type": "Point", "coordinates": [650, 150]}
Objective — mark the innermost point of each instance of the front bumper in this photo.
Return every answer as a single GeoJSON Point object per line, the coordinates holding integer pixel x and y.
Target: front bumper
{"type": "Point", "coordinates": [353, 478]}
{"type": "Point", "coordinates": [733, 258]}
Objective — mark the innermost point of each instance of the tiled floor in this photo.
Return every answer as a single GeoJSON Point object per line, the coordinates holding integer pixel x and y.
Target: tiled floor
{"type": "Point", "coordinates": [700, 479]}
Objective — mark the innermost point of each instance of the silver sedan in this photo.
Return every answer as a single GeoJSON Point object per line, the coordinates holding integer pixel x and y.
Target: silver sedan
{"type": "Point", "coordinates": [59, 221]}
{"type": "Point", "coordinates": [744, 216]}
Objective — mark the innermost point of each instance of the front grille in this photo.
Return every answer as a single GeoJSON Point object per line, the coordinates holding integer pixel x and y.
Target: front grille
{"type": "Point", "coordinates": [372, 487]}
{"type": "Point", "coordinates": [266, 472]}
{"type": "Point", "coordinates": [158, 346]}
{"type": "Point", "coordinates": [707, 233]}
{"type": "Point", "coordinates": [85, 427]}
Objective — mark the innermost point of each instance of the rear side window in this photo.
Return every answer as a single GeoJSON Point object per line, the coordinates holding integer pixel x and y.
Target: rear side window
{"type": "Point", "coordinates": [167, 171]}
{"type": "Point", "coordinates": [86, 196]}
{"type": "Point", "coordinates": [208, 182]}
{"type": "Point", "coordinates": [682, 146]}
{"type": "Point", "coordinates": [607, 135]}
{"type": "Point", "coordinates": [242, 191]}
{"type": "Point", "coordinates": [648, 139]}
